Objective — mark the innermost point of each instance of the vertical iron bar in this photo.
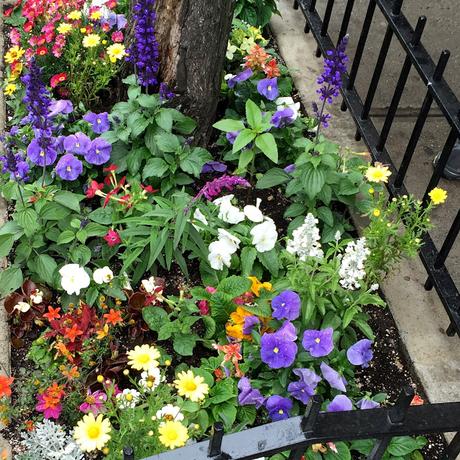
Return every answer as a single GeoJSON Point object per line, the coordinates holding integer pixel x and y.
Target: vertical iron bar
{"type": "Point", "coordinates": [312, 6]}
{"type": "Point", "coordinates": [360, 48]}
{"type": "Point", "coordinates": [326, 20]}
{"type": "Point", "coordinates": [346, 20]}
{"type": "Point", "coordinates": [419, 28]}
{"type": "Point", "coordinates": [215, 443]}
{"type": "Point", "coordinates": [396, 10]}
{"type": "Point", "coordinates": [379, 449]}
{"type": "Point", "coordinates": [296, 4]}
{"type": "Point", "coordinates": [453, 449]}
{"type": "Point", "coordinates": [451, 331]}
{"type": "Point", "coordinates": [421, 119]}
{"type": "Point", "coordinates": [128, 453]}
{"type": "Point", "coordinates": [441, 164]}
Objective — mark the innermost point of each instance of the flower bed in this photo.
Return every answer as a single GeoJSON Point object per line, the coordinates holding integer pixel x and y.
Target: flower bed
{"type": "Point", "coordinates": [155, 288]}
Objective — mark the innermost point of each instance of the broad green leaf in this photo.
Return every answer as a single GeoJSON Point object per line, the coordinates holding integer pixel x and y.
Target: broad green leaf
{"type": "Point", "coordinates": [349, 314]}
{"type": "Point", "coordinates": [253, 115]}
{"type": "Point", "coordinates": [66, 237]}
{"type": "Point", "coordinates": [148, 101]}
{"type": "Point", "coordinates": [69, 200]}
{"type": "Point", "coordinates": [325, 214]}
{"type": "Point", "coordinates": [267, 144]}
{"type": "Point", "coordinates": [184, 344]}
{"type": "Point", "coordinates": [272, 178]}
{"type": "Point", "coordinates": [28, 219]}
{"type": "Point", "coordinates": [247, 257]}
{"type": "Point", "coordinates": [313, 181]}
{"type": "Point", "coordinates": [80, 255]}
{"type": "Point", "coordinates": [155, 317]}
{"type": "Point", "coordinates": [270, 261]}
{"type": "Point", "coordinates": [234, 286]}
{"type": "Point", "coordinates": [46, 266]}
{"type": "Point", "coordinates": [246, 156]}
{"type": "Point", "coordinates": [244, 138]}
{"type": "Point", "coordinates": [164, 120]}
{"type": "Point", "coordinates": [101, 216]}
{"type": "Point", "coordinates": [155, 167]}
{"type": "Point", "coordinates": [54, 211]}
{"type": "Point", "coordinates": [167, 142]}
{"type": "Point", "coordinates": [10, 280]}
{"type": "Point", "coordinates": [229, 125]}
{"type": "Point", "coordinates": [6, 244]}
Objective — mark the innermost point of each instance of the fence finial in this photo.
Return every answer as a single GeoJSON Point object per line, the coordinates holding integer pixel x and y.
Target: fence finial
{"type": "Point", "coordinates": [215, 443]}
{"type": "Point", "coordinates": [128, 453]}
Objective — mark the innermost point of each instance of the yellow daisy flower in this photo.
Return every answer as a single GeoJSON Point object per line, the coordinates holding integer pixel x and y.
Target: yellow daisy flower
{"type": "Point", "coordinates": [74, 15]}
{"type": "Point", "coordinates": [116, 51]}
{"type": "Point", "coordinates": [143, 357]}
{"type": "Point", "coordinates": [64, 28]}
{"type": "Point", "coordinates": [376, 212]}
{"type": "Point", "coordinates": [378, 173]}
{"type": "Point", "coordinates": [92, 433]}
{"type": "Point", "coordinates": [95, 15]}
{"type": "Point", "coordinates": [257, 285]}
{"type": "Point", "coordinates": [91, 40]}
{"type": "Point", "coordinates": [172, 434]}
{"type": "Point", "coordinates": [14, 54]}
{"type": "Point", "coordinates": [438, 195]}
{"type": "Point", "coordinates": [10, 88]}
{"type": "Point", "coordinates": [191, 386]}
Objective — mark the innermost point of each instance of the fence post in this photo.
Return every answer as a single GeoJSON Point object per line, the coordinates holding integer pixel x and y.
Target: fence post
{"type": "Point", "coordinates": [128, 453]}
{"type": "Point", "coordinates": [215, 443]}
{"type": "Point", "coordinates": [453, 449]}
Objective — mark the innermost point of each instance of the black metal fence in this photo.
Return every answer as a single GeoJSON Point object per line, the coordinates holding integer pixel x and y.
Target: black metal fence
{"type": "Point", "coordinates": [437, 90]}
{"type": "Point", "coordinates": [296, 434]}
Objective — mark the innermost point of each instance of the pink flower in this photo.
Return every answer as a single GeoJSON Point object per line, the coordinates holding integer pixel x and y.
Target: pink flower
{"type": "Point", "coordinates": [49, 406]}
{"type": "Point", "coordinates": [203, 305]}
{"type": "Point", "coordinates": [210, 289]}
{"type": "Point", "coordinates": [112, 238]}
{"type": "Point", "coordinates": [117, 36]}
{"type": "Point", "coordinates": [15, 36]}
{"type": "Point", "coordinates": [94, 402]}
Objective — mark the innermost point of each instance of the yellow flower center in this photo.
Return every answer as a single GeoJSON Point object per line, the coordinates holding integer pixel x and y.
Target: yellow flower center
{"type": "Point", "coordinates": [69, 168]}
{"type": "Point", "coordinates": [317, 340]}
{"type": "Point", "coordinates": [98, 151]}
{"type": "Point", "coordinates": [42, 153]}
{"type": "Point", "coordinates": [281, 412]}
{"type": "Point", "coordinates": [276, 350]}
{"type": "Point", "coordinates": [144, 358]}
{"type": "Point", "coordinates": [93, 431]}
{"type": "Point", "coordinates": [98, 121]}
{"type": "Point", "coordinates": [190, 385]}
{"type": "Point", "coordinates": [129, 397]}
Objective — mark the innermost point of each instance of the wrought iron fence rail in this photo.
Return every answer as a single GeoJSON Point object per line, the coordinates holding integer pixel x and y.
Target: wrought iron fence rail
{"type": "Point", "coordinates": [296, 434]}
{"type": "Point", "coordinates": [437, 91]}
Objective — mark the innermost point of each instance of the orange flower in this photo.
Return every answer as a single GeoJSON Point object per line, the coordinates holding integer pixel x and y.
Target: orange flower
{"type": "Point", "coordinates": [271, 69]}
{"type": "Point", "coordinates": [63, 350]}
{"type": "Point", "coordinates": [113, 317]}
{"type": "Point", "coordinates": [5, 385]}
{"type": "Point", "coordinates": [4, 454]}
{"type": "Point", "coordinates": [53, 313]}
{"type": "Point", "coordinates": [72, 333]}
{"type": "Point", "coordinates": [58, 78]}
{"type": "Point", "coordinates": [30, 425]}
{"type": "Point", "coordinates": [55, 391]}
{"type": "Point", "coordinates": [256, 58]}
{"type": "Point", "coordinates": [417, 401]}
{"type": "Point", "coordinates": [257, 285]}
{"type": "Point", "coordinates": [234, 328]}
{"type": "Point", "coordinates": [70, 373]}
{"type": "Point", "coordinates": [104, 332]}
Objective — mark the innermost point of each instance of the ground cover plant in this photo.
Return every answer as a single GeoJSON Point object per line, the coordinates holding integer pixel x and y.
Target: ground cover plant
{"type": "Point", "coordinates": [155, 286]}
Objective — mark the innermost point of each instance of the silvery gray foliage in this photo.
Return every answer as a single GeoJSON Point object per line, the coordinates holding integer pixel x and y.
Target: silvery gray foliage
{"type": "Point", "coordinates": [48, 441]}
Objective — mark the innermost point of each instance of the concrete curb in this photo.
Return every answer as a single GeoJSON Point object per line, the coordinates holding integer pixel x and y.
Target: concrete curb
{"type": "Point", "coordinates": [419, 314]}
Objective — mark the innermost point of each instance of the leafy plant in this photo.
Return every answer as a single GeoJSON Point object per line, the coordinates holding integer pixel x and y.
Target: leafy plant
{"type": "Point", "coordinates": [256, 12]}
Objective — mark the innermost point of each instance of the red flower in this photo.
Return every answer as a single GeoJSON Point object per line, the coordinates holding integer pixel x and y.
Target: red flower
{"type": "Point", "coordinates": [117, 36]}
{"type": "Point", "coordinates": [8, 12]}
{"type": "Point", "coordinates": [112, 238]}
{"type": "Point", "coordinates": [53, 313]}
{"type": "Point", "coordinates": [148, 188]}
{"type": "Point", "coordinates": [110, 168]}
{"type": "Point", "coordinates": [111, 4]}
{"type": "Point", "coordinates": [93, 188]}
{"type": "Point", "coordinates": [113, 317]}
{"type": "Point", "coordinates": [417, 401]}
{"type": "Point", "coordinates": [58, 78]}
{"type": "Point", "coordinates": [28, 26]}
{"type": "Point", "coordinates": [72, 333]}
{"type": "Point", "coordinates": [105, 27]}
{"type": "Point", "coordinates": [271, 69]}
{"type": "Point", "coordinates": [5, 385]}
{"type": "Point", "coordinates": [203, 305]}
{"type": "Point", "coordinates": [42, 51]}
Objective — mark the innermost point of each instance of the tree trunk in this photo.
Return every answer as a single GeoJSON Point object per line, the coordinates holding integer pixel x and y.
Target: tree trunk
{"type": "Point", "coordinates": [192, 37]}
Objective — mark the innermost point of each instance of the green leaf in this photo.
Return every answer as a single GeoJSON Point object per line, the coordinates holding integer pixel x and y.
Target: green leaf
{"type": "Point", "coordinates": [164, 120]}
{"type": "Point", "coordinates": [349, 314]}
{"type": "Point", "coordinates": [91, 295]}
{"type": "Point", "coordinates": [246, 157]}
{"type": "Point", "coordinates": [148, 101]}
{"type": "Point", "coordinates": [295, 210]}
{"type": "Point", "coordinates": [266, 142]}
{"type": "Point", "coordinates": [225, 412]}
{"type": "Point", "coordinates": [244, 138]}
{"type": "Point", "coordinates": [193, 163]}
{"type": "Point", "coordinates": [313, 180]}
{"type": "Point", "coordinates": [155, 167]}
{"type": "Point", "coordinates": [66, 237]}
{"type": "Point", "coordinates": [402, 445]}
{"type": "Point", "coordinates": [80, 255]}
{"type": "Point", "coordinates": [101, 216]}
{"type": "Point", "coordinates": [222, 391]}
{"type": "Point", "coordinates": [155, 317]}
{"type": "Point", "coordinates": [229, 125]}
{"type": "Point", "coordinates": [234, 286]}
{"type": "Point", "coordinates": [248, 257]}
{"type": "Point", "coordinates": [272, 178]}
{"type": "Point", "coordinates": [363, 446]}
{"type": "Point", "coordinates": [28, 219]}
{"type": "Point", "coordinates": [184, 344]}
{"type": "Point", "coordinates": [210, 326]}
{"type": "Point", "coordinates": [10, 280]}
{"type": "Point", "coordinates": [343, 452]}
{"type": "Point", "coordinates": [325, 214]}
{"type": "Point", "coordinates": [6, 243]}
{"type": "Point", "coordinates": [69, 200]}
{"type": "Point", "coordinates": [54, 211]}
{"type": "Point", "coordinates": [270, 261]}
{"type": "Point", "coordinates": [253, 114]}
{"type": "Point", "coordinates": [134, 159]}
{"type": "Point", "coordinates": [46, 266]}
{"type": "Point", "coordinates": [167, 142]}
{"type": "Point", "coordinates": [183, 124]}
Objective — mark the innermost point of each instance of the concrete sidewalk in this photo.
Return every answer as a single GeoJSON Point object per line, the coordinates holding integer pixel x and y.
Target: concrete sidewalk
{"type": "Point", "coordinates": [419, 314]}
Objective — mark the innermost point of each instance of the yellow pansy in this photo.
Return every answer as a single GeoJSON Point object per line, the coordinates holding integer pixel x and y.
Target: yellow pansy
{"type": "Point", "coordinates": [10, 88]}
{"type": "Point", "coordinates": [14, 54]}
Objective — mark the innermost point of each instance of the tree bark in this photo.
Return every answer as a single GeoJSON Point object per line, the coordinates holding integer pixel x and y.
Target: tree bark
{"type": "Point", "coordinates": [192, 37]}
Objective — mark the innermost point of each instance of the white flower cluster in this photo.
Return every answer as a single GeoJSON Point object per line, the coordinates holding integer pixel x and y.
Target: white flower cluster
{"type": "Point", "coordinates": [75, 278]}
{"type": "Point", "coordinates": [305, 239]}
{"type": "Point", "coordinates": [352, 265]}
{"type": "Point", "coordinates": [264, 234]}
{"type": "Point", "coordinates": [48, 441]}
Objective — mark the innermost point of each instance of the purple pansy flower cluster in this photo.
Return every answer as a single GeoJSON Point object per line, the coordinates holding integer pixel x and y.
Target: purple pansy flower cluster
{"type": "Point", "coordinates": [246, 74]}
{"type": "Point", "coordinates": [305, 387]}
{"type": "Point", "coordinates": [249, 396]}
{"type": "Point", "coordinates": [144, 53]}
{"type": "Point", "coordinates": [99, 121]}
{"type": "Point", "coordinates": [278, 349]}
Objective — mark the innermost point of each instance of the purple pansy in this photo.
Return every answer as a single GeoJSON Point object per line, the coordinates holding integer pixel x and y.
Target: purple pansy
{"type": "Point", "coordinates": [268, 87]}
{"type": "Point", "coordinates": [61, 107]}
{"type": "Point", "coordinates": [283, 117]}
{"type": "Point", "coordinates": [286, 305]}
{"type": "Point", "coordinates": [318, 342]}
{"type": "Point", "coordinates": [99, 121]}
{"type": "Point", "coordinates": [278, 407]}
{"type": "Point", "coordinates": [304, 388]}
{"type": "Point", "coordinates": [279, 349]}
{"type": "Point", "coordinates": [231, 136]}
{"type": "Point", "coordinates": [339, 404]}
{"type": "Point", "coordinates": [360, 353]}
{"type": "Point", "coordinates": [78, 143]}
{"type": "Point", "coordinates": [69, 167]}
{"type": "Point", "coordinates": [118, 20]}
{"type": "Point", "coordinates": [214, 166]}
{"type": "Point", "coordinates": [99, 152]}
{"type": "Point", "coordinates": [250, 322]}
{"type": "Point", "coordinates": [242, 76]}
{"type": "Point", "coordinates": [367, 403]}
{"type": "Point", "coordinates": [249, 396]}
{"type": "Point", "coordinates": [332, 377]}
{"type": "Point", "coordinates": [289, 169]}
{"type": "Point", "coordinates": [41, 155]}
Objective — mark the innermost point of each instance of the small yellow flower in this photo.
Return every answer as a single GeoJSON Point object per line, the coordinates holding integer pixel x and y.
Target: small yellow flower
{"type": "Point", "coordinates": [378, 173]}
{"type": "Point", "coordinates": [106, 451]}
{"type": "Point", "coordinates": [92, 433]}
{"type": "Point", "coordinates": [74, 15]}
{"type": "Point", "coordinates": [91, 40]}
{"type": "Point", "coordinates": [64, 28]}
{"type": "Point", "coordinates": [104, 42]}
{"type": "Point", "coordinates": [100, 378]}
{"type": "Point", "coordinates": [10, 88]}
{"type": "Point", "coordinates": [376, 212]}
{"type": "Point", "coordinates": [95, 15]}
{"type": "Point", "coordinates": [438, 195]}
{"type": "Point", "coordinates": [168, 362]}
{"type": "Point", "coordinates": [14, 54]}
{"type": "Point", "coordinates": [83, 30]}
{"type": "Point", "coordinates": [116, 51]}
{"type": "Point", "coordinates": [143, 357]}
{"type": "Point", "coordinates": [173, 434]}
{"type": "Point", "coordinates": [257, 285]}
{"type": "Point", "coordinates": [371, 191]}
{"type": "Point", "coordinates": [191, 386]}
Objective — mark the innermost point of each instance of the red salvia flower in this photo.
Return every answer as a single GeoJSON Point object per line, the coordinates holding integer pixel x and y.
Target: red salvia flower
{"type": "Point", "coordinates": [112, 238]}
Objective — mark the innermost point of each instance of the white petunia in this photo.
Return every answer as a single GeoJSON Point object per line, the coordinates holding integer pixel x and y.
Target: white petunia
{"type": "Point", "coordinates": [74, 278]}
{"type": "Point", "coordinates": [149, 285]}
{"type": "Point", "coordinates": [219, 255]}
{"type": "Point", "coordinates": [170, 413]}
{"type": "Point", "coordinates": [253, 213]}
{"type": "Point", "coordinates": [264, 236]}
{"type": "Point", "coordinates": [227, 211]}
{"type": "Point", "coordinates": [288, 102]}
{"type": "Point", "coordinates": [23, 307]}
{"type": "Point", "coordinates": [103, 275]}
{"type": "Point", "coordinates": [230, 240]}
{"type": "Point", "coordinates": [200, 217]}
